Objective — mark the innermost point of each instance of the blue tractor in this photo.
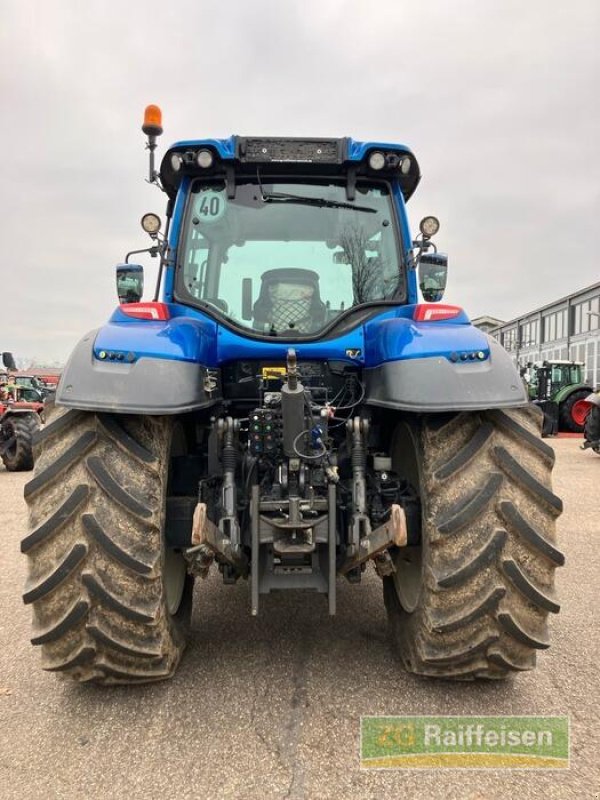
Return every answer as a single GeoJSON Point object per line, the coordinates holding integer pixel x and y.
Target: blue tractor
{"type": "Point", "coordinates": [294, 403]}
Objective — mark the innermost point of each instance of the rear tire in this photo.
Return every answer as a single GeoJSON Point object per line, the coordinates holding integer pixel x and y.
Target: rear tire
{"type": "Point", "coordinates": [592, 427]}
{"type": "Point", "coordinates": [569, 415]}
{"type": "Point", "coordinates": [110, 604]}
{"type": "Point", "coordinates": [19, 428]}
{"type": "Point", "coordinates": [472, 600]}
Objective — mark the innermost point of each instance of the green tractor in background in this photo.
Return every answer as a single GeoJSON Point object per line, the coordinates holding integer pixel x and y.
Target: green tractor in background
{"type": "Point", "coordinates": [558, 387]}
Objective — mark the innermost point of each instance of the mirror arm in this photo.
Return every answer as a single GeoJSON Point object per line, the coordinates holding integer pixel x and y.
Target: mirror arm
{"type": "Point", "coordinates": [154, 251]}
{"type": "Point", "coordinates": [421, 246]}
{"type": "Point", "coordinates": [164, 258]}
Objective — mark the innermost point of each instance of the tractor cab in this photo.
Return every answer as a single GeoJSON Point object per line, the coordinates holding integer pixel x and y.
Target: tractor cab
{"type": "Point", "coordinates": [563, 373]}
{"type": "Point", "coordinates": [289, 257]}
{"type": "Point", "coordinates": [548, 378]}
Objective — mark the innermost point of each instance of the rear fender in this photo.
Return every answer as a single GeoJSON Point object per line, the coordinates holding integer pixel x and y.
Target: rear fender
{"type": "Point", "coordinates": [565, 393]}
{"type": "Point", "coordinates": [593, 399]}
{"type": "Point", "coordinates": [150, 384]}
{"type": "Point", "coordinates": [438, 383]}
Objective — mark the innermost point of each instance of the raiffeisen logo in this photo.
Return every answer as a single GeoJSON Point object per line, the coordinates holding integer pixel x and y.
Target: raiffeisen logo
{"type": "Point", "coordinates": [478, 735]}
{"type": "Point", "coordinates": [465, 742]}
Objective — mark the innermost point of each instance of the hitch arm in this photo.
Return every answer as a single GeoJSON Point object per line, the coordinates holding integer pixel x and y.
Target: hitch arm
{"type": "Point", "coordinates": [392, 532]}
{"type": "Point", "coordinates": [206, 533]}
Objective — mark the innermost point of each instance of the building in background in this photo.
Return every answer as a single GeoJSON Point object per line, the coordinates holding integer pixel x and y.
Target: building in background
{"type": "Point", "coordinates": [487, 324]}
{"type": "Point", "coordinates": [567, 329]}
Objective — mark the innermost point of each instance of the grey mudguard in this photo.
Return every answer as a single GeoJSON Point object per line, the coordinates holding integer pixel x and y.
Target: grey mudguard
{"type": "Point", "coordinates": [594, 399]}
{"type": "Point", "coordinates": [148, 386]}
{"type": "Point", "coordinates": [437, 384]}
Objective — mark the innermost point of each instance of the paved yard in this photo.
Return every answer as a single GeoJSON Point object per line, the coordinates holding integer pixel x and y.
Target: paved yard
{"type": "Point", "coordinates": [270, 707]}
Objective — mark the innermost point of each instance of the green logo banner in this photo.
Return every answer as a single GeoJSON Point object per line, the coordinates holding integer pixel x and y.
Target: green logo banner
{"type": "Point", "coordinates": [464, 742]}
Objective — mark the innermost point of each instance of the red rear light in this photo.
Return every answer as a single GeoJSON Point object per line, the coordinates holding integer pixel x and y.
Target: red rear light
{"type": "Point", "coordinates": [432, 312]}
{"type": "Point", "coordinates": [155, 311]}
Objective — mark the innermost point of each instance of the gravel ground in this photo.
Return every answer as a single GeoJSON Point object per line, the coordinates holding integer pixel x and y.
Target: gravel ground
{"type": "Point", "coordinates": [270, 707]}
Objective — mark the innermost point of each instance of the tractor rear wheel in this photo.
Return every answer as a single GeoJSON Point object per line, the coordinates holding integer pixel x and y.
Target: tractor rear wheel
{"type": "Point", "coordinates": [573, 411]}
{"type": "Point", "coordinates": [110, 602]}
{"type": "Point", "coordinates": [472, 600]}
{"type": "Point", "coordinates": [17, 441]}
{"type": "Point", "coordinates": [592, 427]}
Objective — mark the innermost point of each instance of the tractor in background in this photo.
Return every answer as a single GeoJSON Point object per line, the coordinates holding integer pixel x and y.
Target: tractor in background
{"type": "Point", "coordinates": [558, 387]}
{"type": "Point", "coordinates": [32, 388]}
{"type": "Point", "coordinates": [18, 422]}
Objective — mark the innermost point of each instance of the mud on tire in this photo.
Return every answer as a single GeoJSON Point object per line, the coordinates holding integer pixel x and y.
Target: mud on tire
{"type": "Point", "coordinates": [96, 556]}
{"type": "Point", "coordinates": [486, 564]}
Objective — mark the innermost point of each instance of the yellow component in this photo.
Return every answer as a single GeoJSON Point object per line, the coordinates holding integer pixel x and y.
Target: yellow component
{"type": "Point", "coordinates": [273, 372]}
{"type": "Point", "coordinates": [152, 120]}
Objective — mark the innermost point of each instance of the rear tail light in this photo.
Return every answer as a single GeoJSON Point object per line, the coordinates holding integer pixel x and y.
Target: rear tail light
{"type": "Point", "coordinates": [432, 312]}
{"type": "Point", "coordinates": [155, 311]}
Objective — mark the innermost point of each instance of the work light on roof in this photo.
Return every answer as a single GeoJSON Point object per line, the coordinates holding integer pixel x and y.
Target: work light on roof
{"type": "Point", "coordinates": [377, 160]}
{"type": "Point", "coordinates": [405, 165]}
{"type": "Point", "coordinates": [204, 159]}
{"type": "Point", "coordinates": [176, 161]}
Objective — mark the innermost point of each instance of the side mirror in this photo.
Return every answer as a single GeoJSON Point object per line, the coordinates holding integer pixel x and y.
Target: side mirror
{"type": "Point", "coordinates": [433, 273]}
{"type": "Point", "coordinates": [9, 361]}
{"type": "Point", "coordinates": [247, 298]}
{"type": "Point", "coordinates": [130, 283]}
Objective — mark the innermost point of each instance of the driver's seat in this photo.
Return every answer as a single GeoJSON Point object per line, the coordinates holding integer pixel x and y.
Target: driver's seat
{"type": "Point", "coordinates": [289, 299]}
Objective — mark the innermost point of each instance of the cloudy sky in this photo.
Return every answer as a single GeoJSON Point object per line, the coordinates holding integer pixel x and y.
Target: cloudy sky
{"type": "Point", "coordinates": [497, 98]}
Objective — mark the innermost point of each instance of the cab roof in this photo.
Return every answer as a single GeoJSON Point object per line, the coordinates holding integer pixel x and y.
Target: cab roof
{"type": "Point", "coordinates": [243, 155]}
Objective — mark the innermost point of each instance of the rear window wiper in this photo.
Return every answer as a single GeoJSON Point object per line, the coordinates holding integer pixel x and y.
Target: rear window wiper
{"type": "Point", "coordinates": [320, 202]}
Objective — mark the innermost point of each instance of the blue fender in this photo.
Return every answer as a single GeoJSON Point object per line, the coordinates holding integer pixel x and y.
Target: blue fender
{"type": "Point", "coordinates": [172, 366]}
{"type": "Point", "coordinates": [142, 367]}
{"type": "Point", "coordinates": [446, 365]}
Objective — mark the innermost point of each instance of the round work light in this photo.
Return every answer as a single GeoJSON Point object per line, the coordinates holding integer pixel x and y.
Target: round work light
{"type": "Point", "coordinates": [151, 223]}
{"type": "Point", "coordinates": [377, 160]}
{"type": "Point", "coordinates": [204, 159]}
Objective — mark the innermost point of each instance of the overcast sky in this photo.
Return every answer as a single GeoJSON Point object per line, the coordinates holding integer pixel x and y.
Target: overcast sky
{"type": "Point", "coordinates": [498, 100]}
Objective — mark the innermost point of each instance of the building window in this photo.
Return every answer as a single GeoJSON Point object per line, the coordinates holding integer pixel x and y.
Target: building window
{"type": "Point", "coordinates": [555, 326]}
{"type": "Point", "coordinates": [586, 316]}
{"type": "Point", "coordinates": [529, 333]}
{"type": "Point", "coordinates": [509, 339]}
{"type": "Point", "coordinates": [595, 315]}
{"type": "Point", "coordinates": [581, 320]}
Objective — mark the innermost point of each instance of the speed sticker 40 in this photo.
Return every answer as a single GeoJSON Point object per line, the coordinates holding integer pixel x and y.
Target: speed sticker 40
{"type": "Point", "coordinates": [209, 206]}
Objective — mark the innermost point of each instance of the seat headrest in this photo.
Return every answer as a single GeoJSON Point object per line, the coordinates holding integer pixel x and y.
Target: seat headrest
{"type": "Point", "coordinates": [290, 275]}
